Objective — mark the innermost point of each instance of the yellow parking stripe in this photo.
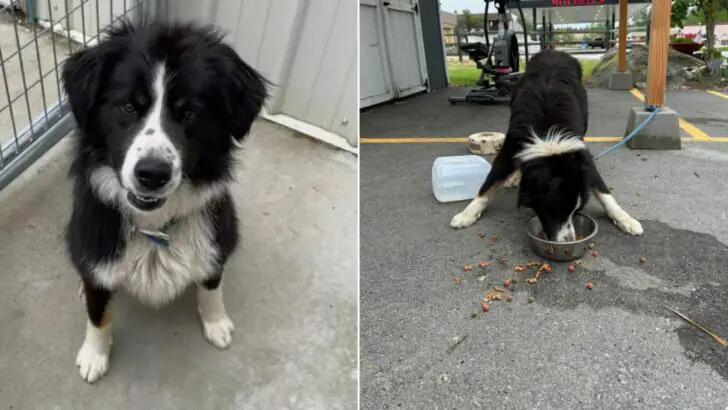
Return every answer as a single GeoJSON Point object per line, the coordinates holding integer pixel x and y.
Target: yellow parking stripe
{"type": "Point", "coordinates": [717, 94]}
{"type": "Point", "coordinates": [692, 130]}
{"type": "Point", "coordinates": [411, 140]}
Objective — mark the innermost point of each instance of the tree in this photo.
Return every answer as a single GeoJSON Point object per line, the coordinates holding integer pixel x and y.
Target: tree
{"type": "Point", "coordinates": [710, 10]}
{"type": "Point", "coordinates": [642, 17]}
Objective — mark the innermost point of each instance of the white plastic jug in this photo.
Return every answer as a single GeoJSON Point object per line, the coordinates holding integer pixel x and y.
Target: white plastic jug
{"type": "Point", "coordinates": [458, 178]}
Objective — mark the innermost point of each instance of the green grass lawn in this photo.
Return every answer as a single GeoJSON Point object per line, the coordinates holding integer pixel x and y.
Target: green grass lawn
{"type": "Point", "coordinates": [465, 74]}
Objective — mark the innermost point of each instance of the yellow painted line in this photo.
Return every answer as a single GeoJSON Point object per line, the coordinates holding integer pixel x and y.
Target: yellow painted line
{"type": "Point", "coordinates": [415, 140]}
{"type": "Point", "coordinates": [694, 131]}
{"type": "Point", "coordinates": [411, 140]}
{"type": "Point", "coordinates": [717, 94]}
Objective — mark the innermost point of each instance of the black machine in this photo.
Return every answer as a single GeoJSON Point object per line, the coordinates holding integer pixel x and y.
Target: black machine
{"type": "Point", "coordinates": [499, 65]}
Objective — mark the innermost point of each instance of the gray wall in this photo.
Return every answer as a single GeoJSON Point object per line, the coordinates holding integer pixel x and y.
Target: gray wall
{"type": "Point", "coordinates": [434, 50]}
{"type": "Point", "coordinates": [307, 48]}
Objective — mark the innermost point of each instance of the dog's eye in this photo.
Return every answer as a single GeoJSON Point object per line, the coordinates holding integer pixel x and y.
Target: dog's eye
{"type": "Point", "coordinates": [128, 108]}
{"type": "Point", "coordinates": [190, 116]}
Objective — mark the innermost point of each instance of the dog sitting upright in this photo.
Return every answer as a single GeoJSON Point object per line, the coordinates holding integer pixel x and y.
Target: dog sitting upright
{"type": "Point", "coordinates": [157, 108]}
{"type": "Point", "coordinates": [544, 145]}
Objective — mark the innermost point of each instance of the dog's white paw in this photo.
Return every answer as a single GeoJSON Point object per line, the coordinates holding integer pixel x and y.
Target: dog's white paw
{"type": "Point", "coordinates": [92, 363]}
{"type": "Point", "coordinates": [629, 225]}
{"type": "Point", "coordinates": [219, 333]}
{"type": "Point", "coordinates": [463, 219]}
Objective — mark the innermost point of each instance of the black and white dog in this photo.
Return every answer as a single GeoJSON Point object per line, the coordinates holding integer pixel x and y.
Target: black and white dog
{"type": "Point", "coordinates": [157, 108]}
{"type": "Point", "coordinates": [544, 148]}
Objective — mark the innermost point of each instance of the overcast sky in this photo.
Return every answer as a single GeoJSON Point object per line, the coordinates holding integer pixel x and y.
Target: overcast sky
{"type": "Point", "coordinates": [475, 6]}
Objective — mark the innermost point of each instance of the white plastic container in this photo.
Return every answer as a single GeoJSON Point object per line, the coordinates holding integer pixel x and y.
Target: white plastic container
{"type": "Point", "coordinates": [458, 178]}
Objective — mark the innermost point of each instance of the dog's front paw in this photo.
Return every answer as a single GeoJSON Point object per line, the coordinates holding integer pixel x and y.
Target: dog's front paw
{"type": "Point", "coordinates": [463, 219]}
{"type": "Point", "coordinates": [219, 333]}
{"type": "Point", "coordinates": [629, 225]}
{"type": "Point", "coordinates": [92, 363]}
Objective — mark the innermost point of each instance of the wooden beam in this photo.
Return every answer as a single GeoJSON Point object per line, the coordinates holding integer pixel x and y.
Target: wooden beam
{"type": "Point", "coordinates": [659, 49]}
{"type": "Point", "coordinates": [622, 66]}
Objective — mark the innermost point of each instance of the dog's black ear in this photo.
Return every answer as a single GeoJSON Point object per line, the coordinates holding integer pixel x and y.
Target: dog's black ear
{"type": "Point", "coordinates": [81, 76]}
{"type": "Point", "coordinates": [246, 92]}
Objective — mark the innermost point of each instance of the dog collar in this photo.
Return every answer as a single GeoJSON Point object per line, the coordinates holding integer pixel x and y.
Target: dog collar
{"type": "Point", "coordinates": [159, 237]}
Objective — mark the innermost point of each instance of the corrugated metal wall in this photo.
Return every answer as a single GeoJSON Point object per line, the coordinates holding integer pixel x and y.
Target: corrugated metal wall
{"type": "Point", "coordinates": [307, 48]}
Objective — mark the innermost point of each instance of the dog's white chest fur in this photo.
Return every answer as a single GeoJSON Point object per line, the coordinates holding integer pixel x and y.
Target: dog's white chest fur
{"type": "Point", "coordinates": [156, 274]}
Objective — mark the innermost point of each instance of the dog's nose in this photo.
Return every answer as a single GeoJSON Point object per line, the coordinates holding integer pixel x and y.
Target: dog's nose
{"type": "Point", "coordinates": [152, 173]}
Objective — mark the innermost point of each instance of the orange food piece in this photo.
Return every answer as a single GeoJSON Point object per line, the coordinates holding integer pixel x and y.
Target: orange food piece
{"type": "Point", "coordinates": [468, 267]}
{"type": "Point", "coordinates": [485, 306]}
{"type": "Point", "coordinates": [507, 283]}
{"type": "Point", "coordinates": [483, 264]}
{"type": "Point", "coordinates": [509, 298]}
{"type": "Point", "coordinates": [519, 268]}
{"type": "Point", "coordinates": [458, 279]}
{"type": "Point", "coordinates": [589, 286]}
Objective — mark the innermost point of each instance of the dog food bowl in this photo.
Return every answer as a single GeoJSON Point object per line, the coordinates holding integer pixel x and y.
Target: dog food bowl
{"type": "Point", "coordinates": [486, 143]}
{"type": "Point", "coordinates": [585, 227]}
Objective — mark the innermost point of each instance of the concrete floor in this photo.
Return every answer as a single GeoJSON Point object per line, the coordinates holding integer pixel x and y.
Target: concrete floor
{"type": "Point", "coordinates": [291, 291]}
{"type": "Point", "coordinates": [615, 346]}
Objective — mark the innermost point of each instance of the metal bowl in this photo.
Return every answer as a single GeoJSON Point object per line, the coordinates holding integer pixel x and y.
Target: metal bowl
{"type": "Point", "coordinates": [584, 226]}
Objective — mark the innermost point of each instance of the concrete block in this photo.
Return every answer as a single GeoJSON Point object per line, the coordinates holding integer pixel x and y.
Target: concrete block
{"type": "Point", "coordinates": [621, 80]}
{"type": "Point", "coordinates": [661, 133]}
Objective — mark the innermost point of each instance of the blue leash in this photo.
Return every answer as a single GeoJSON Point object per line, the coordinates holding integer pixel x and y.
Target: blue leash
{"type": "Point", "coordinates": [634, 132]}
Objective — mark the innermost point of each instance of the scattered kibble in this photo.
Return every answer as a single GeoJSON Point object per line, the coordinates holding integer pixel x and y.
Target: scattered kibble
{"type": "Point", "coordinates": [642, 259]}
{"type": "Point", "coordinates": [591, 245]}
{"type": "Point", "coordinates": [485, 307]}
{"type": "Point", "coordinates": [514, 281]}
{"type": "Point", "coordinates": [572, 268]}
{"type": "Point", "coordinates": [589, 286]}
{"type": "Point", "coordinates": [483, 264]}
{"type": "Point", "coordinates": [468, 267]}
{"type": "Point", "coordinates": [509, 298]}
{"type": "Point", "coordinates": [458, 279]}
{"type": "Point", "coordinates": [474, 314]}
{"type": "Point", "coordinates": [595, 254]}
{"type": "Point", "coordinates": [507, 283]}
{"type": "Point", "coordinates": [519, 268]}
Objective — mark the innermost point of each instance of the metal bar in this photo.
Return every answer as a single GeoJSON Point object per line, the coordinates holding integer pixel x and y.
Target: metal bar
{"type": "Point", "coordinates": [40, 71]}
{"type": "Point", "coordinates": [7, 94]}
{"type": "Point", "coordinates": [55, 53]}
{"type": "Point", "coordinates": [83, 23]}
{"type": "Point", "coordinates": [98, 18]}
{"type": "Point", "coordinates": [25, 154]}
{"type": "Point", "coordinates": [22, 71]}
{"type": "Point", "coordinates": [19, 96]}
{"type": "Point", "coordinates": [68, 26]}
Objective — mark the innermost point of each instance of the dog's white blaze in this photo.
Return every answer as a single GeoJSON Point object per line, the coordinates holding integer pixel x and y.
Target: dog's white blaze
{"type": "Point", "coordinates": [152, 140]}
{"type": "Point", "coordinates": [555, 142]}
{"type": "Point", "coordinates": [156, 274]}
{"type": "Point", "coordinates": [93, 357]}
{"type": "Point", "coordinates": [567, 233]}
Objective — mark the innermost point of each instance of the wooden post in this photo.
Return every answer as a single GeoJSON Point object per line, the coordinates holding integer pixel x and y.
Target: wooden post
{"type": "Point", "coordinates": [622, 52]}
{"type": "Point", "coordinates": [659, 48]}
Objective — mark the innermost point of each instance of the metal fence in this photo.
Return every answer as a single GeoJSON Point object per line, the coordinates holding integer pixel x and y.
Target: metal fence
{"type": "Point", "coordinates": [36, 37]}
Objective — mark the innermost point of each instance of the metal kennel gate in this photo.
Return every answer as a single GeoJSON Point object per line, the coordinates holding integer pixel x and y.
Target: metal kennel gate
{"type": "Point", "coordinates": [35, 35]}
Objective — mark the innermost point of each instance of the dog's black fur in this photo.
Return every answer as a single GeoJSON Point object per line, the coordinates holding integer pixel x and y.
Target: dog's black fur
{"type": "Point", "coordinates": [548, 97]}
{"type": "Point", "coordinates": [211, 95]}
